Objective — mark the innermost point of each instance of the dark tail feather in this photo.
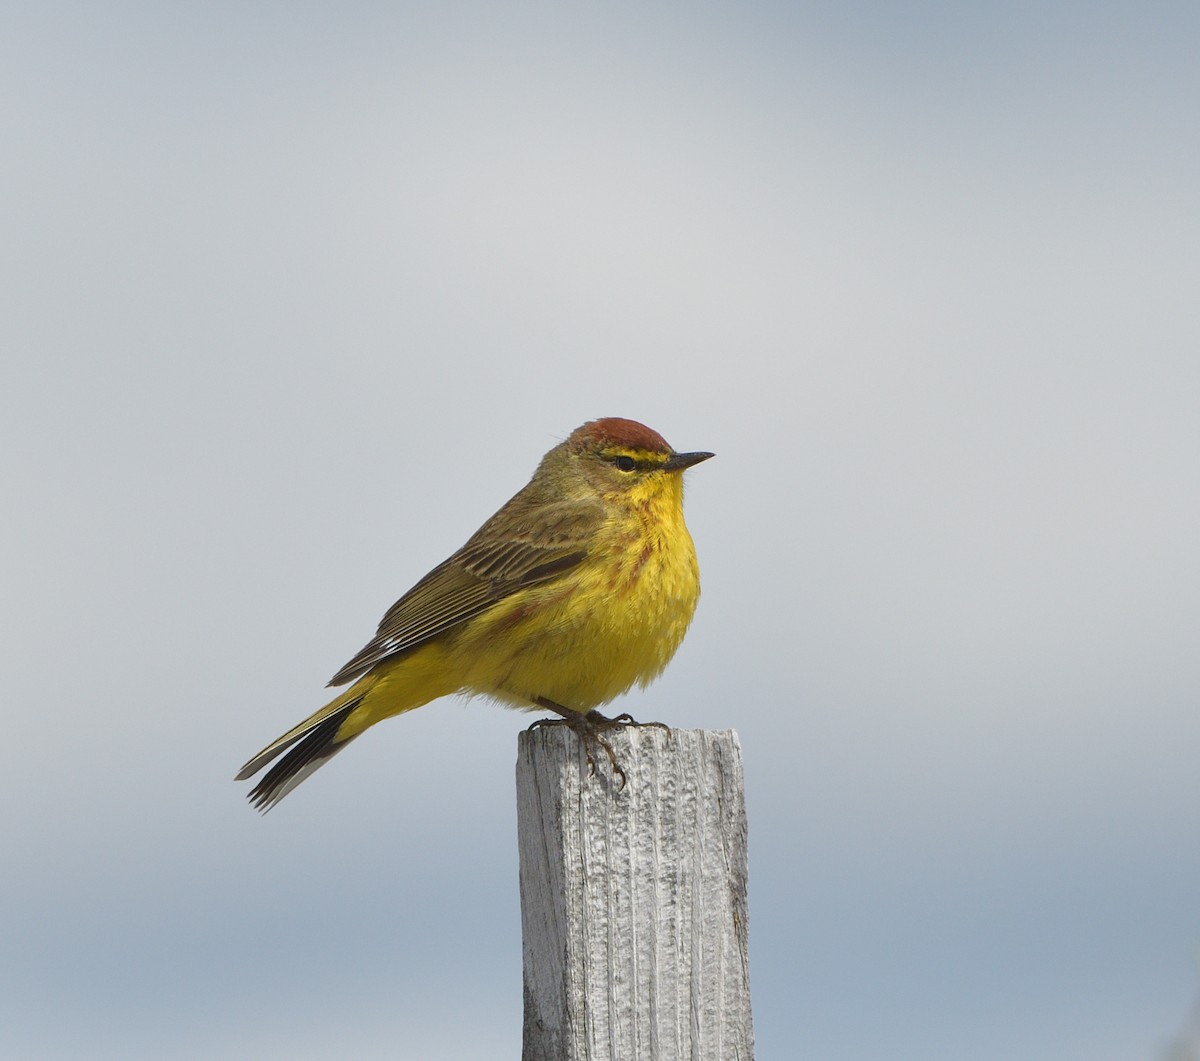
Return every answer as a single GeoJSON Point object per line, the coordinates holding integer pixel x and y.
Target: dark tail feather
{"type": "Point", "coordinates": [314, 749]}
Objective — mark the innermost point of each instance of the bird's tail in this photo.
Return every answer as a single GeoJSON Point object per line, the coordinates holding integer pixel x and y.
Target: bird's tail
{"type": "Point", "coordinates": [308, 745]}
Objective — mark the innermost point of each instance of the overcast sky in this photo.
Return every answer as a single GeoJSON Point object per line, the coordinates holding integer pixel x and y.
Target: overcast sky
{"type": "Point", "coordinates": [295, 295]}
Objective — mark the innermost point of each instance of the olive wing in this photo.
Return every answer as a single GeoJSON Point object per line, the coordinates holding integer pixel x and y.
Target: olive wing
{"type": "Point", "coordinates": [506, 554]}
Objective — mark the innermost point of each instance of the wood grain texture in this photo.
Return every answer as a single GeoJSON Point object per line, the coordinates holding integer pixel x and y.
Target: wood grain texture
{"type": "Point", "coordinates": [633, 900]}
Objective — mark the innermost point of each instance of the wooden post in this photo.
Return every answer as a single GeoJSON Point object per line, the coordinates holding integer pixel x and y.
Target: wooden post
{"type": "Point", "coordinates": [633, 900]}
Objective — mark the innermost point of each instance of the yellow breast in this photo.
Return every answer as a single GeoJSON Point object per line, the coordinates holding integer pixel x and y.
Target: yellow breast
{"type": "Point", "coordinates": [613, 621]}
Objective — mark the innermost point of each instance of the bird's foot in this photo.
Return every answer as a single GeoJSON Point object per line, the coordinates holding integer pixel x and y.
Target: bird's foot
{"type": "Point", "coordinates": [589, 729]}
{"type": "Point", "coordinates": [625, 719]}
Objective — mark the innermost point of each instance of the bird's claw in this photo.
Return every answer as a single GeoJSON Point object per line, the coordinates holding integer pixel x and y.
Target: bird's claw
{"type": "Point", "coordinates": [587, 727]}
{"type": "Point", "coordinates": [626, 719]}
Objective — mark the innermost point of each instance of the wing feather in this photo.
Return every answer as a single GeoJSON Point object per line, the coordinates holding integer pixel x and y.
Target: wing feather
{"type": "Point", "coordinates": [526, 543]}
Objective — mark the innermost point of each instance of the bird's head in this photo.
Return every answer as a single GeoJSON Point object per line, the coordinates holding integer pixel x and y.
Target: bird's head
{"type": "Point", "coordinates": [622, 457]}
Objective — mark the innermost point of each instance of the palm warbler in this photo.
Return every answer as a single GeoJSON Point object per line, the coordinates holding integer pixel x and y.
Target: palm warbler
{"type": "Point", "coordinates": [581, 585]}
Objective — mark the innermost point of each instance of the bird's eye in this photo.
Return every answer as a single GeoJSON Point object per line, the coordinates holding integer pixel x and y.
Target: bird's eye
{"type": "Point", "coordinates": [626, 464]}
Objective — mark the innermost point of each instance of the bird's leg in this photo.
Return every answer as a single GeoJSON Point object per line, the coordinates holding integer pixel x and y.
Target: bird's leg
{"type": "Point", "coordinates": [587, 727]}
{"type": "Point", "coordinates": [583, 728]}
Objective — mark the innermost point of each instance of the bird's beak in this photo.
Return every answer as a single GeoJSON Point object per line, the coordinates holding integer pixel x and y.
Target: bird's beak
{"type": "Point", "coordinates": [676, 462]}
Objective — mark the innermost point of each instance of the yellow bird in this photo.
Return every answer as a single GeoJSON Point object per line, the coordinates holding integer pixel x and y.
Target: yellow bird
{"type": "Point", "coordinates": [580, 586]}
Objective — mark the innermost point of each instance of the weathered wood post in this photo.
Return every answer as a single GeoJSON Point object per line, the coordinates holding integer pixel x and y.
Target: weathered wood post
{"type": "Point", "coordinates": [633, 900]}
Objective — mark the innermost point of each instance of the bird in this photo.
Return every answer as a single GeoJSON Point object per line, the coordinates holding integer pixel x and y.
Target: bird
{"type": "Point", "coordinates": [581, 586]}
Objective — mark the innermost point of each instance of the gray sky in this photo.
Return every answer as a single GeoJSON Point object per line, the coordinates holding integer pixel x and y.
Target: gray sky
{"type": "Point", "coordinates": [294, 296]}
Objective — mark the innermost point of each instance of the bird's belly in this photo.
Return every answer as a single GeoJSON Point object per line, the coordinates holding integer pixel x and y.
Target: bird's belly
{"type": "Point", "coordinates": [585, 639]}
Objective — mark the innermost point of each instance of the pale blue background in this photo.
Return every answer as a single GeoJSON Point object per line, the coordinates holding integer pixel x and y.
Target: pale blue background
{"type": "Point", "coordinates": [294, 295]}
